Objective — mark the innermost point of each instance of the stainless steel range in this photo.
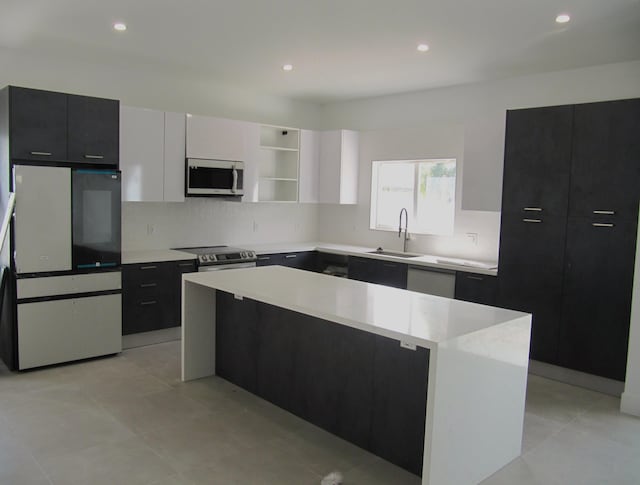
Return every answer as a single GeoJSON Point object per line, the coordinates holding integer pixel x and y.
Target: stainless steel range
{"type": "Point", "coordinates": [215, 258]}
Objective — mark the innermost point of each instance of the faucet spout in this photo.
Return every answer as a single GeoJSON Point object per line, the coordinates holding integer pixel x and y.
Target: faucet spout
{"type": "Point", "coordinates": [406, 227]}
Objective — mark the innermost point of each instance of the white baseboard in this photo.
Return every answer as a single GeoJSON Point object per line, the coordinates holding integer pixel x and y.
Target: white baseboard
{"type": "Point", "coordinates": [150, 338]}
{"type": "Point", "coordinates": [576, 378]}
{"type": "Point", "coordinates": [630, 403]}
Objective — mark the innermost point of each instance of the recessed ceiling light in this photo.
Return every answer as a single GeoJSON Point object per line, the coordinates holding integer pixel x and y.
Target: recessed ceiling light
{"type": "Point", "coordinates": [563, 18]}
{"type": "Point", "coordinates": [423, 47]}
{"type": "Point", "coordinates": [287, 67]}
{"type": "Point", "coordinates": [120, 26]}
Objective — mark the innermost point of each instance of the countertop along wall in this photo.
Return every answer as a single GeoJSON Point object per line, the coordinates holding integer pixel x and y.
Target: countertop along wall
{"type": "Point", "coordinates": [475, 114]}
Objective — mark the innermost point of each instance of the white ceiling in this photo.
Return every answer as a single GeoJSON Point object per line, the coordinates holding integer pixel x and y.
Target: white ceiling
{"type": "Point", "coordinates": [340, 49]}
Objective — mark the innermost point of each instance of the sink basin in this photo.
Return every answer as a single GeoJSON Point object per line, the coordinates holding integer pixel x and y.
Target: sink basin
{"type": "Point", "coordinates": [397, 254]}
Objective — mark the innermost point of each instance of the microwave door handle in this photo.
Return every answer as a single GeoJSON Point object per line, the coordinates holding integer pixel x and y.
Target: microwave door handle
{"type": "Point", "coordinates": [235, 180]}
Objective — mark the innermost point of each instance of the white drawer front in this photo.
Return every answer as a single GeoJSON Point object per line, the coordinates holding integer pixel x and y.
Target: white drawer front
{"type": "Point", "coordinates": [50, 332]}
{"type": "Point", "coordinates": [68, 284]}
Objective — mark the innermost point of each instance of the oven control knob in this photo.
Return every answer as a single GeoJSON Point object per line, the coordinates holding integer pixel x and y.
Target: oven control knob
{"type": "Point", "coordinates": [243, 254]}
{"type": "Point", "coordinates": [204, 257]}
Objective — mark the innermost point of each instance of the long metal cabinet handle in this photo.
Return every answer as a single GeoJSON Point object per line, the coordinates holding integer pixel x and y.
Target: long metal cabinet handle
{"type": "Point", "coordinates": [477, 278]}
{"type": "Point", "coordinates": [605, 213]}
{"type": "Point", "coordinates": [41, 154]}
{"type": "Point", "coordinates": [94, 157]}
{"type": "Point", "coordinates": [148, 285]}
{"type": "Point", "coordinates": [147, 303]}
{"type": "Point", "coordinates": [289, 256]}
{"type": "Point", "coordinates": [264, 258]}
{"type": "Point", "coordinates": [148, 267]}
{"type": "Point", "coordinates": [532, 220]}
{"type": "Point", "coordinates": [182, 265]}
{"type": "Point", "coordinates": [602, 224]}
{"type": "Point", "coordinates": [532, 209]}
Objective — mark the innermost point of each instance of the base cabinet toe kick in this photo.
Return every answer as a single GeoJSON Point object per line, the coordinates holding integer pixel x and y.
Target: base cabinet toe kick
{"type": "Point", "coordinates": [449, 411]}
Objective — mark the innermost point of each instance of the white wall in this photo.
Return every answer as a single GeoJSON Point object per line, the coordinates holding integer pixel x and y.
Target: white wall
{"type": "Point", "coordinates": [631, 396]}
{"type": "Point", "coordinates": [202, 221]}
{"type": "Point", "coordinates": [479, 109]}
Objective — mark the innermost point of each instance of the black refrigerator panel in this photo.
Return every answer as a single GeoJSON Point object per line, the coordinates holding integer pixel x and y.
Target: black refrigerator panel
{"type": "Point", "coordinates": [96, 218]}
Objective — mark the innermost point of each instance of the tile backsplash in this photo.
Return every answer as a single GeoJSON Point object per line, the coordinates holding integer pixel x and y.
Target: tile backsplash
{"type": "Point", "coordinates": [205, 221]}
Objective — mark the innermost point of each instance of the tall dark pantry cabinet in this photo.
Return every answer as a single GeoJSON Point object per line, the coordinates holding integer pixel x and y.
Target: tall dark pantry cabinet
{"type": "Point", "coordinates": [568, 231]}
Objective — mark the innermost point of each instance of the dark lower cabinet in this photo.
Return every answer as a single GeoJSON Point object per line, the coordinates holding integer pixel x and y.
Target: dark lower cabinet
{"type": "Point", "coordinates": [531, 266]}
{"type": "Point", "coordinates": [306, 260]}
{"type": "Point", "coordinates": [598, 285]}
{"type": "Point", "coordinates": [237, 341]}
{"type": "Point", "coordinates": [377, 271]}
{"type": "Point", "coordinates": [400, 379]}
{"type": "Point", "coordinates": [359, 386]}
{"type": "Point", "coordinates": [476, 288]}
{"type": "Point", "coordinates": [151, 295]}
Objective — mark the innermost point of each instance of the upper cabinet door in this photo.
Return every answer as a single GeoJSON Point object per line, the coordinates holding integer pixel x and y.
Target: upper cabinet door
{"type": "Point", "coordinates": [174, 155]}
{"type": "Point", "coordinates": [537, 161]}
{"type": "Point", "coordinates": [93, 130]}
{"type": "Point", "coordinates": [309, 165]}
{"type": "Point", "coordinates": [142, 154]}
{"type": "Point", "coordinates": [605, 172]}
{"type": "Point", "coordinates": [215, 138]}
{"type": "Point", "coordinates": [338, 171]}
{"type": "Point", "coordinates": [38, 123]}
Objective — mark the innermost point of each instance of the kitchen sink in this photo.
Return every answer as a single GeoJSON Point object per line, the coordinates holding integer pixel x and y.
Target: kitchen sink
{"type": "Point", "coordinates": [397, 254]}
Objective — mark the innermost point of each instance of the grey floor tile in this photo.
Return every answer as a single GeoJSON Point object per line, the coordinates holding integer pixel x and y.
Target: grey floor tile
{"type": "Point", "coordinates": [379, 472]}
{"type": "Point", "coordinates": [130, 461]}
{"type": "Point", "coordinates": [17, 465]}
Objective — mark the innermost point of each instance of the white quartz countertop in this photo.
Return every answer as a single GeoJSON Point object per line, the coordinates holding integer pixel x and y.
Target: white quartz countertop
{"type": "Point", "coordinates": [411, 317]}
{"type": "Point", "coordinates": [426, 260]}
{"type": "Point", "coordinates": [154, 256]}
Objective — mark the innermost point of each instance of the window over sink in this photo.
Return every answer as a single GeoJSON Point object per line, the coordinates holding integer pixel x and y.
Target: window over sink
{"type": "Point", "coordinates": [426, 188]}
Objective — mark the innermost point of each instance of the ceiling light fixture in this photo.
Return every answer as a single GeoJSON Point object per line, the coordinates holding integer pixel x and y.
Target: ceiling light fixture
{"type": "Point", "coordinates": [287, 67]}
{"type": "Point", "coordinates": [120, 26]}
{"type": "Point", "coordinates": [423, 47]}
{"type": "Point", "coordinates": [563, 18]}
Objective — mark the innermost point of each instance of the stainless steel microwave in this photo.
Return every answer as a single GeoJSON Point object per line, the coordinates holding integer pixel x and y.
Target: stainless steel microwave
{"type": "Point", "coordinates": [214, 177]}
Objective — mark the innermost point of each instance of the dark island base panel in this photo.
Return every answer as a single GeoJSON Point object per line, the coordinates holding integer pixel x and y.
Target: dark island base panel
{"type": "Point", "coordinates": [361, 387]}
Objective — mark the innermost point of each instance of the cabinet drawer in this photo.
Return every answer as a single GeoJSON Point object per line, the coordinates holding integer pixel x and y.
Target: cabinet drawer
{"type": "Point", "coordinates": [476, 288]}
{"type": "Point", "coordinates": [158, 274]}
{"type": "Point", "coordinates": [57, 331]}
{"type": "Point", "coordinates": [270, 259]}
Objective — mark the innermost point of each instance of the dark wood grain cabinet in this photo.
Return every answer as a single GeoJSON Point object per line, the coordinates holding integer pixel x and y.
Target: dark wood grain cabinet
{"type": "Point", "coordinates": [56, 127]}
{"type": "Point", "coordinates": [378, 271]}
{"type": "Point", "coordinates": [476, 288]}
{"type": "Point", "coordinates": [364, 388]}
{"type": "Point", "coordinates": [93, 130]}
{"type": "Point", "coordinates": [306, 260]}
{"type": "Point", "coordinates": [151, 295]}
{"type": "Point", "coordinates": [568, 230]}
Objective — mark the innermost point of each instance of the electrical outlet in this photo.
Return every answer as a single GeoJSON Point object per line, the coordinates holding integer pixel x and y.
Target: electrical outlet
{"type": "Point", "coordinates": [150, 229]}
{"type": "Point", "coordinates": [255, 226]}
{"type": "Point", "coordinates": [407, 345]}
{"type": "Point", "coordinates": [473, 238]}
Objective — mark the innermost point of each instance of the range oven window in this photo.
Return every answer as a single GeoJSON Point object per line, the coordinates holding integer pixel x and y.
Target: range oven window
{"type": "Point", "coordinates": [96, 218]}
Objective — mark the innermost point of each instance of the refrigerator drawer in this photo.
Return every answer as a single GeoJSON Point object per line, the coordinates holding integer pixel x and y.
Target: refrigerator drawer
{"type": "Point", "coordinates": [50, 332]}
{"type": "Point", "coordinates": [68, 284]}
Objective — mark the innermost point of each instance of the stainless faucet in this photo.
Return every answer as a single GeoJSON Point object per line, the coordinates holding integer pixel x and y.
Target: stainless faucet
{"type": "Point", "coordinates": [406, 227]}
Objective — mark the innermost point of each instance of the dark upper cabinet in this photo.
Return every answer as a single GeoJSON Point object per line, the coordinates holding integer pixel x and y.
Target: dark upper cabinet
{"type": "Point", "coordinates": [537, 161]}
{"type": "Point", "coordinates": [56, 127]}
{"type": "Point", "coordinates": [476, 288]}
{"type": "Point", "coordinates": [597, 296]}
{"type": "Point", "coordinates": [377, 271]}
{"type": "Point", "coordinates": [531, 265]}
{"type": "Point", "coordinates": [38, 124]}
{"type": "Point", "coordinates": [605, 167]}
{"type": "Point", "coordinates": [93, 130]}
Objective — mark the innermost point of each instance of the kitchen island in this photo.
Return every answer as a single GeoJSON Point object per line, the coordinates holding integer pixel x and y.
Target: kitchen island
{"type": "Point", "coordinates": [353, 357]}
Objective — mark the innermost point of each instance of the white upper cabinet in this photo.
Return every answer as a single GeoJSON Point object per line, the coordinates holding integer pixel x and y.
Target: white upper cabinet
{"type": "Point", "coordinates": [215, 138]}
{"type": "Point", "coordinates": [309, 166]}
{"type": "Point", "coordinates": [142, 154]}
{"type": "Point", "coordinates": [338, 171]}
{"type": "Point", "coordinates": [152, 155]}
{"type": "Point", "coordinates": [174, 156]}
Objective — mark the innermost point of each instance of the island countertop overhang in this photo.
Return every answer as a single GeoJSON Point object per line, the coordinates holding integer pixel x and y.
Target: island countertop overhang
{"type": "Point", "coordinates": [414, 318]}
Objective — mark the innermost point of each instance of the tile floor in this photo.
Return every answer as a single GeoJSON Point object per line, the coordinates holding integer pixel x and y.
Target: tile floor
{"type": "Point", "coordinates": [129, 420]}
